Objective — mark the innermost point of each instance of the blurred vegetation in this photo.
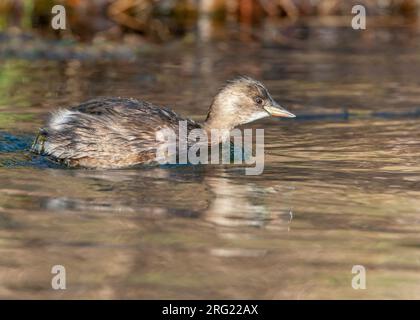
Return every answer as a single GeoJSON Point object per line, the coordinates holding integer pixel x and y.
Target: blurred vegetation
{"type": "Point", "coordinates": [163, 19]}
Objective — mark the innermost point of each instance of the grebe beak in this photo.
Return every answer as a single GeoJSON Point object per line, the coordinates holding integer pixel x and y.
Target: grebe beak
{"type": "Point", "coordinates": [276, 110]}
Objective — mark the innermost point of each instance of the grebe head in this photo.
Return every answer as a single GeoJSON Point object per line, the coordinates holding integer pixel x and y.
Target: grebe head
{"type": "Point", "coordinates": [240, 101]}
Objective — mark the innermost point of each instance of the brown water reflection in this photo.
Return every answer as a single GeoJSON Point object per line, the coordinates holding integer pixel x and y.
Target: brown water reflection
{"type": "Point", "coordinates": [336, 191]}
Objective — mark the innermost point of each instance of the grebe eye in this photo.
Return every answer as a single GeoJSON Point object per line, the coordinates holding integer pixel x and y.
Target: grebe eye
{"type": "Point", "coordinates": [258, 100]}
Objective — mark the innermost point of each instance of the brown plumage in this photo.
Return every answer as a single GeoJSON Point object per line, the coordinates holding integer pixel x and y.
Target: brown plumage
{"type": "Point", "coordinates": [121, 132]}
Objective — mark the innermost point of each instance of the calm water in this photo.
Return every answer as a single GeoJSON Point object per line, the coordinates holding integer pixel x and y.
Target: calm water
{"type": "Point", "coordinates": [341, 184]}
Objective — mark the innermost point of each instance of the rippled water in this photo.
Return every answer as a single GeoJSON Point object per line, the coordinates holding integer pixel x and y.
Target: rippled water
{"type": "Point", "coordinates": [341, 184]}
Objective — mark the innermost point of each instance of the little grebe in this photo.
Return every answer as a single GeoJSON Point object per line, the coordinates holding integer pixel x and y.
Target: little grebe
{"type": "Point", "coordinates": [121, 132]}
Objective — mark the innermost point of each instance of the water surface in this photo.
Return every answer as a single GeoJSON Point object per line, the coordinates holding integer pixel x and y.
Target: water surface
{"type": "Point", "coordinates": [341, 185]}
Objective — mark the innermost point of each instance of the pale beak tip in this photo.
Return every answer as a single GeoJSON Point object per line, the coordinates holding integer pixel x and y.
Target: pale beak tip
{"type": "Point", "coordinates": [278, 111]}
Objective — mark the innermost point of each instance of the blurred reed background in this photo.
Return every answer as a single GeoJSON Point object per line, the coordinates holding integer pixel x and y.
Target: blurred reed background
{"type": "Point", "coordinates": [160, 20]}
